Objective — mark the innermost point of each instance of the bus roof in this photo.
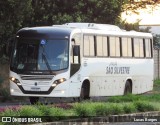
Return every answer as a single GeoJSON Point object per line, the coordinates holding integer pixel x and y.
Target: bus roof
{"type": "Point", "coordinates": [106, 29]}
{"type": "Point", "coordinates": [64, 31]}
{"type": "Point", "coordinates": [47, 32]}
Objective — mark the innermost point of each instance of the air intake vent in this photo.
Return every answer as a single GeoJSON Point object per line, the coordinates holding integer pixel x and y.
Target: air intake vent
{"type": "Point", "coordinates": [37, 77]}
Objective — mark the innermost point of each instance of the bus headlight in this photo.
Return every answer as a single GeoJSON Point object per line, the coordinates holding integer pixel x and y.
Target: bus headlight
{"type": "Point", "coordinates": [15, 80]}
{"type": "Point", "coordinates": [56, 82]}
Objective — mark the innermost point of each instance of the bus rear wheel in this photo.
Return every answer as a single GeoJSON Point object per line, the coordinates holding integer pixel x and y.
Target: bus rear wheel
{"type": "Point", "coordinates": [128, 88]}
{"type": "Point", "coordinates": [34, 100]}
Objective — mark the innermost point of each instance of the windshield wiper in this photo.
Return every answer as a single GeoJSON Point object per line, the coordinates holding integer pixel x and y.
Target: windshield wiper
{"type": "Point", "coordinates": [47, 64]}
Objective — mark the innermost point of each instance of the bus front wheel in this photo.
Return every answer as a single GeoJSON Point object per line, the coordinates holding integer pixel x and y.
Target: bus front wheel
{"type": "Point", "coordinates": [33, 100]}
{"type": "Point", "coordinates": [84, 95]}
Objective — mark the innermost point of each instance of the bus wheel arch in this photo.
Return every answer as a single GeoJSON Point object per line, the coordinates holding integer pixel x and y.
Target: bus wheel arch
{"type": "Point", "coordinates": [128, 87]}
{"type": "Point", "coordinates": [85, 90]}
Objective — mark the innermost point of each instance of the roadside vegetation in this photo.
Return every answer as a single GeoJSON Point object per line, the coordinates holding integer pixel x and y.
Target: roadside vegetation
{"type": "Point", "coordinates": [112, 106]}
{"type": "Point", "coordinates": [78, 110]}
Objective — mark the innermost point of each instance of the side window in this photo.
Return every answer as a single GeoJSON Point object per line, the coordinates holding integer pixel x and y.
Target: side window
{"type": "Point", "coordinates": [141, 54]}
{"type": "Point", "coordinates": [88, 44]}
{"type": "Point", "coordinates": [148, 47]}
{"type": "Point", "coordinates": [126, 47]}
{"type": "Point", "coordinates": [102, 46]}
{"type": "Point", "coordinates": [114, 46]}
{"type": "Point", "coordinates": [105, 46]}
{"type": "Point", "coordinates": [138, 47]}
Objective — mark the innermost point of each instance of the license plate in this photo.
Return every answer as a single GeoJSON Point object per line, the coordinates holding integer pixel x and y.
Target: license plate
{"type": "Point", "coordinates": [35, 89]}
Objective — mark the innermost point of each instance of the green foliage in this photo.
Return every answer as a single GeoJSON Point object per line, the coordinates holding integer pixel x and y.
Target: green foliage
{"type": "Point", "coordinates": [156, 42]}
{"type": "Point", "coordinates": [143, 106]}
{"type": "Point", "coordinates": [134, 98]}
{"type": "Point", "coordinates": [125, 98]}
{"type": "Point", "coordinates": [129, 108]}
{"type": "Point", "coordinates": [56, 113]}
{"type": "Point", "coordinates": [116, 109]}
{"type": "Point", "coordinates": [84, 109]}
{"type": "Point", "coordinates": [12, 15]}
{"type": "Point", "coordinates": [98, 109]}
{"type": "Point", "coordinates": [58, 12]}
{"type": "Point", "coordinates": [5, 94]}
{"type": "Point", "coordinates": [4, 91]}
{"type": "Point", "coordinates": [44, 109]}
{"type": "Point", "coordinates": [152, 97]}
{"type": "Point", "coordinates": [134, 6]}
{"type": "Point", "coordinates": [10, 112]}
{"type": "Point", "coordinates": [16, 14]}
{"type": "Point", "coordinates": [156, 86]}
{"type": "Point", "coordinates": [1, 81]}
{"type": "Point", "coordinates": [30, 111]}
{"type": "Point", "coordinates": [102, 109]}
{"type": "Point", "coordinates": [157, 82]}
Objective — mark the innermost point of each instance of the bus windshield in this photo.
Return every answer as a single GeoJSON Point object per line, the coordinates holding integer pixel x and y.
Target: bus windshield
{"type": "Point", "coordinates": [40, 55]}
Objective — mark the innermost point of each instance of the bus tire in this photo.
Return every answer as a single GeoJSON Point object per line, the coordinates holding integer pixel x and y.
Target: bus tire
{"type": "Point", "coordinates": [85, 89]}
{"type": "Point", "coordinates": [128, 88]}
{"type": "Point", "coordinates": [33, 100]}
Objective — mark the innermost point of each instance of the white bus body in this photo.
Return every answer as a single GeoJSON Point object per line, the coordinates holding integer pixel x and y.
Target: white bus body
{"type": "Point", "coordinates": [101, 60]}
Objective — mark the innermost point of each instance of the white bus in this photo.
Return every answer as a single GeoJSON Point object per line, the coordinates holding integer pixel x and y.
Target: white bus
{"type": "Point", "coordinates": [80, 60]}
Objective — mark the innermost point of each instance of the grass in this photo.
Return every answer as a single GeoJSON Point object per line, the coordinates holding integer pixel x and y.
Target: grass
{"type": "Point", "coordinates": [84, 109]}
{"type": "Point", "coordinates": [81, 110]}
{"type": "Point", "coordinates": [156, 87]}
{"type": "Point", "coordinates": [30, 111]}
{"type": "Point", "coordinates": [126, 98]}
{"type": "Point", "coordinates": [154, 96]}
{"type": "Point", "coordinates": [133, 98]}
{"type": "Point", "coordinates": [143, 106]}
{"type": "Point", "coordinates": [129, 108]}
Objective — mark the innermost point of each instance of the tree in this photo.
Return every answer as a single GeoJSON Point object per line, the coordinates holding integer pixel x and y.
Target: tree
{"type": "Point", "coordinates": [15, 14]}
{"type": "Point", "coordinates": [135, 5]}
{"type": "Point", "coordinates": [156, 41]}
{"type": "Point", "coordinates": [12, 15]}
{"type": "Point", "coordinates": [59, 12]}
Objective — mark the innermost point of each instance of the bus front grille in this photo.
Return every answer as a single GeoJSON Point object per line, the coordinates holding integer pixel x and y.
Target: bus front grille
{"type": "Point", "coordinates": [37, 77]}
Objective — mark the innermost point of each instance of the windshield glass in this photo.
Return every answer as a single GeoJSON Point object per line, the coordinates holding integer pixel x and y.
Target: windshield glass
{"type": "Point", "coordinates": [40, 55]}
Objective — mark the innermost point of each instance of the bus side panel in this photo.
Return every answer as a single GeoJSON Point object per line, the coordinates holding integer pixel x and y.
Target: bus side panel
{"type": "Point", "coordinates": [108, 75]}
